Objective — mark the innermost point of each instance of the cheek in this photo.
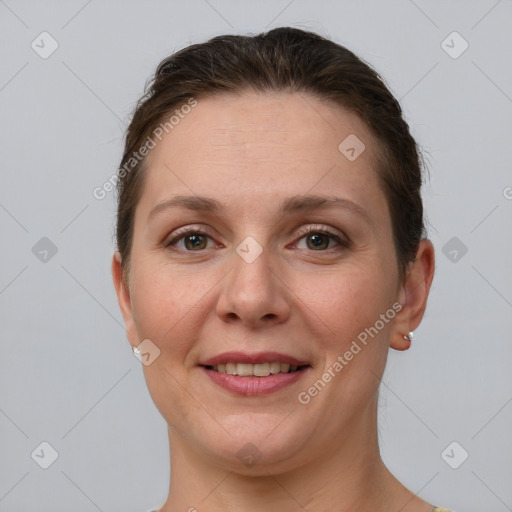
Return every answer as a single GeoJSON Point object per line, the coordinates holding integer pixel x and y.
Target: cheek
{"type": "Point", "coordinates": [164, 301]}
{"type": "Point", "coordinates": [352, 309]}
{"type": "Point", "coordinates": [349, 300]}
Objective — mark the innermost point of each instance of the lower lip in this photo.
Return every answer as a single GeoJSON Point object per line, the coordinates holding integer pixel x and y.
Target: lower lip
{"type": "Point", "coordinates": [251, 386]}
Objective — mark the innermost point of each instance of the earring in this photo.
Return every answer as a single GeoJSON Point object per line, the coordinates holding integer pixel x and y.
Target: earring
{"type": "Point", "coordinates": [409, 336]}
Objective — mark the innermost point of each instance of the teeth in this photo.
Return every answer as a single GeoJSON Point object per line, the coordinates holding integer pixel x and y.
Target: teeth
{"type": "Point", "coordinates": [230, 368]}
{"type": "Point", "coordinates": [261, 370]}
{"type": "Point", "coordinates": [275, 367]}
{"type": "Point", "coordinates": [258, 370]}
{"type": "Point", "coordinates": [244, 370]}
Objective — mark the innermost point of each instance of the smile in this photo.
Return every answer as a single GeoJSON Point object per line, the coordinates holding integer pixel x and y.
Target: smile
{"type": "Point", "coordinates": [249, 383]}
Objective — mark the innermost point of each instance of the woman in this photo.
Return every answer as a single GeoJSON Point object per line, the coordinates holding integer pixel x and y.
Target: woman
{"type": "Point", "coordinates": [271, 248]}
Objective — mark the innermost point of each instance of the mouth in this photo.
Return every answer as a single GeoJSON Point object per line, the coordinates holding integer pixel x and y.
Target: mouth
{"type": "Point", "coordinates": [262, 373]}
{"type": "Point", "coordinates": [256, 370]}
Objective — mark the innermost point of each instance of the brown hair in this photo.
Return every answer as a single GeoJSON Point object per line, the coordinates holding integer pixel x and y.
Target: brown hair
{"type": "Point", "coordinates": [283, 59]}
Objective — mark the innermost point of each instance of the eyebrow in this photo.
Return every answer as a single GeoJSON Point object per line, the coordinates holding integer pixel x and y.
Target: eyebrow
{"type": "Point", "coordinates": [293, 204]}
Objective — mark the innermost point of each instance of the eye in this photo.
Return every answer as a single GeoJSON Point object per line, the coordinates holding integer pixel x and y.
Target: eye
{"type": "Point", "coordinates": [194, 240]}
{"type": "Point", "coordinates": [318, 238]}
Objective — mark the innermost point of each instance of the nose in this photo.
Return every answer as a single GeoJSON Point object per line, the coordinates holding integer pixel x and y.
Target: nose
{"type": "Point", "coordinates": [254, 294]}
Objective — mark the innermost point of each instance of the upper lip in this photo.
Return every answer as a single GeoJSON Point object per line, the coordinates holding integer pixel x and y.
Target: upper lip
{"type": "Point", "coordinates": [260, 357]}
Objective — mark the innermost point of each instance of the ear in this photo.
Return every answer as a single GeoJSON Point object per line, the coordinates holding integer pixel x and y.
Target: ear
{"type": "Point", "coordinates": [123, 298]}
{"type": "Point", "coordinates": [413, 295]}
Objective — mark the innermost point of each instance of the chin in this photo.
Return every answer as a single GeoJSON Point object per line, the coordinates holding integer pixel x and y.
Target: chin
{"type": "Point", "coordinates": [259, 446]}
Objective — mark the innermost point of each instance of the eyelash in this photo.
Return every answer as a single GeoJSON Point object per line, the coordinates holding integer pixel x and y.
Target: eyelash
{"type": "Point", "coordinates": [302, 233]}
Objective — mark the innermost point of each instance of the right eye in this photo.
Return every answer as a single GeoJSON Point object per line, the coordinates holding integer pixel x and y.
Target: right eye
{"type": "Point", "coordinates": [194, 240]}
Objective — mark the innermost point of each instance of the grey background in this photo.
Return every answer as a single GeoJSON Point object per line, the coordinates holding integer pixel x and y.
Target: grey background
{"type": "Point", "coordinates": [67, 374]}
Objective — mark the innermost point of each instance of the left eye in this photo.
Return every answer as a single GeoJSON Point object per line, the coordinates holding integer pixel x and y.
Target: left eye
{"type": "Point", "coordinates": [319, 239]}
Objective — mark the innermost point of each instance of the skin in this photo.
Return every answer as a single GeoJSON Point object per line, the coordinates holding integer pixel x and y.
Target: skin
{"type": "Point", "coordinates": [250, 153]}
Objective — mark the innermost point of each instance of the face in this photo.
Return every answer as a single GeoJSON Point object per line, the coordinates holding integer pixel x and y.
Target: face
{"type": "Point", "coordinates": [266, 270]}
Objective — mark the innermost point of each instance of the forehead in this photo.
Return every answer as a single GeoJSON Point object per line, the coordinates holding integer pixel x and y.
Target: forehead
{"type": "Point", "coordinates": [261, 145]}
{"type": "Point", "coordinates": [297, 120]}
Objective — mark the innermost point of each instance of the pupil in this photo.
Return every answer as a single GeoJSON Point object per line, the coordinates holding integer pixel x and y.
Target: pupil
{"type": "Point", "coordinates": [194, 241]}
{"type": "Point", "coordinates": [316, 239]}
